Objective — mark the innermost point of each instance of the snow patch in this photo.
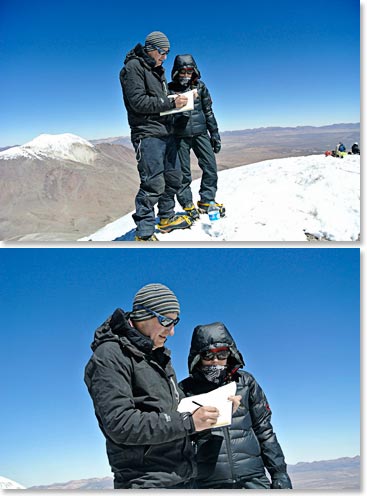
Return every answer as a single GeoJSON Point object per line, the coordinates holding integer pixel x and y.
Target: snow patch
{"type": "Point", "coordinates": [9, 484]}
{"type": "Point", "coordinates": [274, 200]}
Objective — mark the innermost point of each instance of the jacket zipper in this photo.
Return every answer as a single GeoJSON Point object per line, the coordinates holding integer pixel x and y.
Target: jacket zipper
{"type": "Point", "coordinates": [170, 381]}
{"type": "Point", "coordinates": [229, 451]}
{"type": "Point", "coordinates": [175, 390]}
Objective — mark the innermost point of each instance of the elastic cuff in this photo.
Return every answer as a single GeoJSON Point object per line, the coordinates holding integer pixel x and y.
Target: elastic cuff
{"type": "Point", "coordinates": [188, 422]}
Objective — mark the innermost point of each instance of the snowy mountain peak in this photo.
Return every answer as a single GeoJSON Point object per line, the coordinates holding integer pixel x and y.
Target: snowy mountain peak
{"type": "Point", "coordinates": [45, 141]}
{"type": "Point", "coordinates": [9, 484]}
{"type": "Point", "coordinates": [65, 146]}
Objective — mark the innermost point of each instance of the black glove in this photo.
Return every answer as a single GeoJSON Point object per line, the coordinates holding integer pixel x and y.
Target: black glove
{"type": "Point", "coordinates": [281, 480]}
{"type": "Point", "coordinates": [215, 142]}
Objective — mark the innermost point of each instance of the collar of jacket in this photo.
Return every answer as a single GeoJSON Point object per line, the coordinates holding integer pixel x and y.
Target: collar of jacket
{"type": "Point", "coordinates": [202, 383]}
{"type": "Point", "coordinates": [176, 86]}
{"type": "Point", "coordinates": [149, 62]}
{"type": "Point", "coordinates": [205, 385]}
{"type": "Point", "coordinates": [139, 53]}
{"type": "Point", "coordinates": [117, 328]}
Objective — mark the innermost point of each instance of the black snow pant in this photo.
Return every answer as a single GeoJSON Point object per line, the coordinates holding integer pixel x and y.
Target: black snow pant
{"type": "Point", "coordinates": [160, 179]}
{"type": "Point", "coordinates": [202, 148]}
{"type": "Point", "coordinates": [261, 482]}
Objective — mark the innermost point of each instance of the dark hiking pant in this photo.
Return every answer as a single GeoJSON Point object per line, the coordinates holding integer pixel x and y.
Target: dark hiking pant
{"type": "Point", "coordinates": [261, 482]}
{"type": "Point", "coordinates": [256, 483]}
{"type": "Point", "coordinates": [185, 485]}
{"type": "Point", "coordinates": [206, 159]}
{"type": "Point", "coordinates": [143, 482]}
{"type": "Point", "coordinates": [160, 179]}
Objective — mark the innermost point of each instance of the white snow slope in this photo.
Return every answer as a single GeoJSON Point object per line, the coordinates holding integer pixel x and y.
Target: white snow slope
{"type": "Point", "coordinates": [9, 484]}
{"type": "Point", "coordinates": [274, 200]}
{"type": "Point", "coordinates": [53, 146]}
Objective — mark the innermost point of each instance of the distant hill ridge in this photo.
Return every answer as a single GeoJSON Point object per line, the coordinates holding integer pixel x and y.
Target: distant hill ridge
{"type": "Point", "coordinates": [238, 132]}
{"type": "Point", "coordinates": [248, 146]}
{"type": "Point", "coordinates": [330, 464]}
{"type": "Point", "coordinates": [63, 187]}
{"type": "Point", "coordinates": [341, 473]}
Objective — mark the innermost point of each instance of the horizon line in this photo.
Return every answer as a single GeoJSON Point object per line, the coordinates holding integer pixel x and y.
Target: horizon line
{"type": "Point", "coordinates": [3, 147]}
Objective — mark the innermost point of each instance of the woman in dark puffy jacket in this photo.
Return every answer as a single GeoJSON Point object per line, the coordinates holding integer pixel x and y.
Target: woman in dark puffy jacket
{"type": "Point", "coordinates": [196, 130]}
{"type": "Point", "coordinates": [235, 456]}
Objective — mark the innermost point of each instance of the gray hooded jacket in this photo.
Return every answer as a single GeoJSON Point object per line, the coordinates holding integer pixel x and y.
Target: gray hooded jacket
{"type": "Point", "coordinates": [144, 88]}
{"type": "Point", "coordinates": [135, 397]}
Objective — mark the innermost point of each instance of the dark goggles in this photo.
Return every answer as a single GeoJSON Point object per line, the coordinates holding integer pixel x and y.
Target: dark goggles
{"type": "Point", "coordinates": [164, 321]}
{"type": "Point", "coordinates": [211, 355]}
{"type": "Point", "coordinates": [160, 50]}
{"type": "Point", "coordinates": [186, 71]}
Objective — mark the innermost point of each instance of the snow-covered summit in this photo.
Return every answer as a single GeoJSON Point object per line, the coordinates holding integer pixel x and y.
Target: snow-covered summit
{"type": "Point", "coordinates": [9, 484]}
{"type": "Point", "coordinates": [65, 146]}
{"type": "Point", "coordinates": [276, 200]}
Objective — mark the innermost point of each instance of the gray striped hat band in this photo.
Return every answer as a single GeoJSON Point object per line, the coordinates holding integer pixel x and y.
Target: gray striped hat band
{"type": "Point", "coordinates": [156, 297]}
{"type": "Point", "coordinates": [156, 39]}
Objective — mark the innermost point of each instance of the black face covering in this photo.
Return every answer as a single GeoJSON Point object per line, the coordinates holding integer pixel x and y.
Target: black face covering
{"type": "Point", "coordinates": [184, 81]}
{"type": "Point", "coordinates": [214, 373]}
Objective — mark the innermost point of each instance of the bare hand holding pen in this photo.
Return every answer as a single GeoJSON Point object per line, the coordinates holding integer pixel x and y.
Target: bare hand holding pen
{"type": "Point", "coordinates": [181, 100]}
{"type": "Point", "coordinates": [205, 417]}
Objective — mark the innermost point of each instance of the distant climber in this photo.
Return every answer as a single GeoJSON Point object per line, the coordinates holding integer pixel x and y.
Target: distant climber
{"type": "Point", "coordinates": [355, 149]}
{"type": "Point", "coordinates": [340, 150]}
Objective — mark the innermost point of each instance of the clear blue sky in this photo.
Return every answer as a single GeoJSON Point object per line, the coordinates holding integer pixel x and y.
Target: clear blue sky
{"type": "Point", "coordinates": [266, 63]}
{"type": "Point", "coordinates": [293, 312]}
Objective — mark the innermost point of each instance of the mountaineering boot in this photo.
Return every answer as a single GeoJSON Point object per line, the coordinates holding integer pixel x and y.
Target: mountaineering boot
{"type": "Point", "coordinates": [203, 208]}
{"type": "Point", "coordinates": [192, 211]}
{"type": "Point", "coordinates": [175, 222]}
{"type": "Point", "coordinates": [152, 237]}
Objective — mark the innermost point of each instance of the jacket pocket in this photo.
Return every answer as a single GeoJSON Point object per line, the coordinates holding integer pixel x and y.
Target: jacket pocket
{"type": "Point", "coordinates": [147, 451]}
{"type": "Point", "coordinates": [252, 446]}
{"type": "Point", "coordinates": [137, 145]}
{"type": "Point", "coordinates": [122, 457]}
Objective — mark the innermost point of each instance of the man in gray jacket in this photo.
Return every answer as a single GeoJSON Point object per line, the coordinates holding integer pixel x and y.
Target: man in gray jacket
{"type": "Point", "coordinates": [145, 95]}
{"type": "Point", "coordinates": [135, 395]}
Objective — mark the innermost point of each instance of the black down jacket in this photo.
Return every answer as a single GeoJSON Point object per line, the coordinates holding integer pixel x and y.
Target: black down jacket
{"type": "Point", "coordinates": [239, 452]}
{"type": "Point", "coordinates": [201, 119]}
{"type": "Point", "coordinates": [144, 89]}
{"type": "Point", "coordinates": [135, 396]}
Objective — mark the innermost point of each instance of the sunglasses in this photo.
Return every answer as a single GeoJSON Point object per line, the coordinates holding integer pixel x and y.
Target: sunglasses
{"type": "Point", "coordinates": [164, 321]}
{"type": "Point", "coordinates": [160, 50]}
{"type": "Point", "coordinates": [211, 355]}
{"type": "Point", "coordinates": [186, 71]}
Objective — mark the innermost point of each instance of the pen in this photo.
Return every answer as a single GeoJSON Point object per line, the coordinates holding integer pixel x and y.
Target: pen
{"type": "Point", "coordinates": [196, 403]}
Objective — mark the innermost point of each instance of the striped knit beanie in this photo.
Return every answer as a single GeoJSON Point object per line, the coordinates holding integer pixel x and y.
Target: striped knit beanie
{"type": "Point", "coordinates": [156, 297]}
{"type": "Point", "coordinates": [156, 39]}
